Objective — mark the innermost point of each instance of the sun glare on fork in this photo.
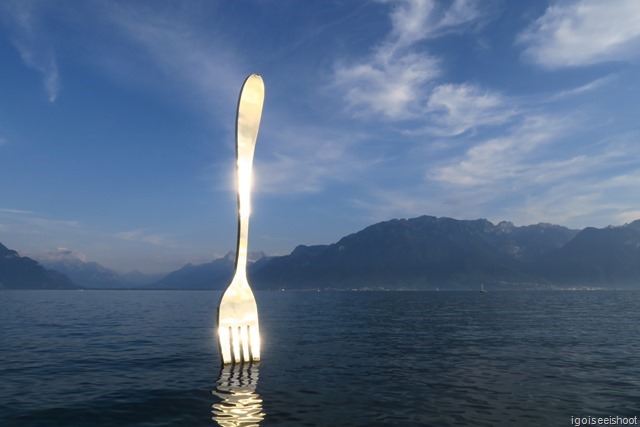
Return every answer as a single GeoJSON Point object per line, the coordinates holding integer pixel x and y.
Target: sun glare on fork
{"type": "Point", "coordinates": [239, 344]}
{"type": "Point", "coordinates": [244, 186]}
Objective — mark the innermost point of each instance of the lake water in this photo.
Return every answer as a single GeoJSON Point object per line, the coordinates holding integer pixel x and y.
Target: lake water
{"type": "Point", "coordinates": [149, 358]}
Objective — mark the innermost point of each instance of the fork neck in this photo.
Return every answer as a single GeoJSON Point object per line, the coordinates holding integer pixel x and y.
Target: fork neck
{"type": "Point", "coordinates": [242, 248]}
{"type": "Point", "coordinates": [244, 172]}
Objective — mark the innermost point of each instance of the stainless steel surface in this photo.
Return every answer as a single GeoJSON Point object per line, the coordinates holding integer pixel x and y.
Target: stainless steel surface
{"type": "Point", "coordinates": [238, 326]}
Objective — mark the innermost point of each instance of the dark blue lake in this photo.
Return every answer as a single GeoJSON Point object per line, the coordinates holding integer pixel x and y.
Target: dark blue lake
{"type": "Point", "coordinates": [149, 358]}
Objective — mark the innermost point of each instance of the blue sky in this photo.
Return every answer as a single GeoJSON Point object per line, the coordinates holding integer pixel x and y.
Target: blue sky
{"type": "Point", "coordinates": [117, 120]}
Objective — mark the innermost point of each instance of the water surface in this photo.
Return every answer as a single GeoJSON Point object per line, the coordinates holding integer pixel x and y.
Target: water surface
{"type": "Point", "coordinates": [149, 358]}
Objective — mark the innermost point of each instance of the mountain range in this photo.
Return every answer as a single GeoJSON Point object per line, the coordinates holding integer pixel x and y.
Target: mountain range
{"type": "Point", "coordinates": [417, 253]}
{"type": "Point", "coordinates": [216, 274]}
{"type": "Point", "coordinates": [18, 272]}
{"type": "Point", "coordinates": [445, 253]}
{"type": "Point", "coordinates": [89, 274]}
{"type": "Point", "coordinates": [421, 253]}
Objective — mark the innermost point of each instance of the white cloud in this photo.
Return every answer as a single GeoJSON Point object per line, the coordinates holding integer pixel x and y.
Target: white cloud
{"type": "Point", "coordinates": [34, 46]}
{"type": "Point", "coordinates": [584, 32]}
{"type": "Point", "coordinates": [61, 254]}
{"type": "Point", "coordinates": [410, 21]}
{"type": "Point", "coordinates": [393, 82]}
{"type": "Point", "coordinates": [393, 89]}
{"type": "Point", "coordinates": [415, 20]}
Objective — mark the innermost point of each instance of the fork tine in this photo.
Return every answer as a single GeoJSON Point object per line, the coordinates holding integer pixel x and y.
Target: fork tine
{"type": "Point", "coordinates": [244, 336]}
{"type": "Point", "coordinates": [254, 335]}
{"type": "Point", "coordinates": [239, 344]}
{"type": "Point", "coordinates": [225, 344]}
{"type": "Point", "coordinates": [235, 343]}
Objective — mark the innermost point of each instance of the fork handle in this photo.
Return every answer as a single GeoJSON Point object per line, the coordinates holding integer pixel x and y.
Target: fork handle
{"type": "Point", "coordinates": [247, 124]}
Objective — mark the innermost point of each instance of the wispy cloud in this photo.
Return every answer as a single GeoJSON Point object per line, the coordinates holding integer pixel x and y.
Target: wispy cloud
{"type": "Point", "coordinates": [393, 88]}
{"type": "Point", "coordinates": [193, 60]}
{"type": "Point", "coordinates": [534, 153]}
{"type": "Point", "coordinates": [585, 200]}
{"type": "Point", "coordinates": [455, 109]}
{"type": "Point", "coordinates": [415, 20]}
{"type": "Point", "coordinates": [382, 204]}
{"type": "Point", "coordinates": [15, 211]}
{"type": "Point", "coordinates": [503, 158]}
{"type": "Point", "coordinates": [393, 82]}
{"type": "Point", "coordinates": [40, 226]}
{"type": "Point", "coordinates": [49, 224]}
{"type": "Point", "coordinates": [308, 158]}
{"type": "Point", "coordinates": [543, 176]}
{"type": "Point", "coordinates": [141, 235]}
{"type": "Point", "coordinates": [29, 38]}
{"type": "Point", "coordinates": [584, 32]}
{"type": "Point", "coordinates": [628, 216]}
{"type": "Point", "coordinates": [579, 190]}
{"type": "Point", "coordinates": [583, 89]}
{"type": "Point", "coordinates": [533, 172]}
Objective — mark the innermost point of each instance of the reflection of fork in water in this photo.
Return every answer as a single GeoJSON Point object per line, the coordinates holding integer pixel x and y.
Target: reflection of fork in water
{"type": "Point", "coordinates": [240, 404]}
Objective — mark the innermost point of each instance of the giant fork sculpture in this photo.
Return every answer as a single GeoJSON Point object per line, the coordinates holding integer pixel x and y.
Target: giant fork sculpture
{"type": "Point", "coordinates": [238, 327]}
